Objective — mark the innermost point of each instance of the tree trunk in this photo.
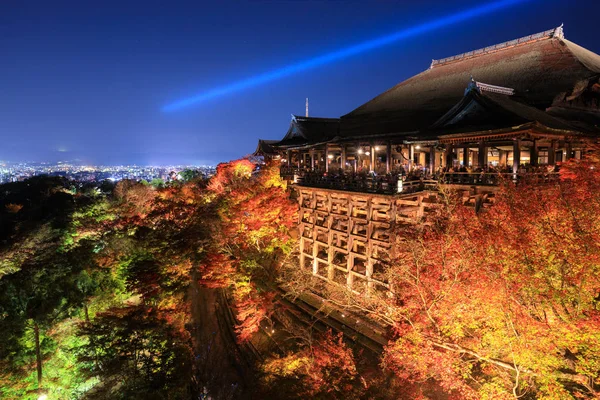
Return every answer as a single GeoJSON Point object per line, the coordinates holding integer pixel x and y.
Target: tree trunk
{"type": "Point", "coordinates": [38, 353]}
{"type": "Point", "coordinates": [87, 314]}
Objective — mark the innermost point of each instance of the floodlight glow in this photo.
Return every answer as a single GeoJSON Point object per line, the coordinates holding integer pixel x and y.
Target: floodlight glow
{"type": "Point", "coordinates": [341, 54]}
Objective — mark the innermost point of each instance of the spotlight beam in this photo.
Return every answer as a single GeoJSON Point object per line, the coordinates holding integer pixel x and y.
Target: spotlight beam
{"type": "Point", "coordinates": [340, 54]}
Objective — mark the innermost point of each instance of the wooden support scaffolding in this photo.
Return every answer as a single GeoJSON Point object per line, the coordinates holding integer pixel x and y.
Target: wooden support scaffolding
{"type": "Point", "coordinates": [347, 238]}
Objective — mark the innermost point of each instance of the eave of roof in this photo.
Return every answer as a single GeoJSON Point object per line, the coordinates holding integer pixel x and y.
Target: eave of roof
{"type": "Point", "coordinates": [538, 70]}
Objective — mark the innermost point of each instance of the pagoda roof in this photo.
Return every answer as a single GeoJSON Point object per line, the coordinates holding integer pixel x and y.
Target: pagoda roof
{"type": "Point", "coordinates": [539, 68]}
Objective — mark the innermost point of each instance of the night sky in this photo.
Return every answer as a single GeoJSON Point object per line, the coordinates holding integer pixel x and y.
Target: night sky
{"type": "Point", "coordinates": [89, 79]}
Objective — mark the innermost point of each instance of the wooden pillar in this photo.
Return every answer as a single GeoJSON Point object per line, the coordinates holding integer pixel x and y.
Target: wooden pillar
{"type": "Point", "coordinates": [372, 152]}
{"type": "Point", "coordinates": [343, 158]}
{"type": "Point", "coordinates": [432, 159]}
{"type": "Point", "coordinates": [300, 157]}
{"type": "Point", "coordinates": [533, 154]}
{"type": "Point", "coordinates": [569, 151]}
{"type": "Point", "coordinates": [326, 158]}
{"type": "Point", "coordinates": [388, 157]}
{"type": "Point", "coordinates": [466, 156]}
{"type": "Point", "coordinates": [482, 155]}
{"type": "Point", "coordinates": [502, 157]}
{"type": "Point", "coordinates": [330, 249]}
{"type": "Point", "coordinates": [516, 155]}
{"type": "Point", "coordinates": [312, 159]}
{"type": "Point", "coordinates": [448, 158]}
{"type": "Point", "coordinates": [289, 158]}
{"type": "Point", "coordinates": [411, 156]}
{"type": "Point", "coordinates": [552, 153]}
{"type": "Point", "coordinates": [350, 246]}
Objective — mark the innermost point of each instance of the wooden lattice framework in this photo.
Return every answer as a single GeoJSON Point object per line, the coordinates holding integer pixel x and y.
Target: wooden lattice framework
{"type": "Point", "coordinates": [346, 237]}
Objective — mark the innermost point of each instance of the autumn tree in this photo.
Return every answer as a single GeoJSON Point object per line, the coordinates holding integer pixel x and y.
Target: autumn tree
{"type": "Point", "coordinates": [324, 368]}
{"type": "Point", "coordinates": [504, 303]}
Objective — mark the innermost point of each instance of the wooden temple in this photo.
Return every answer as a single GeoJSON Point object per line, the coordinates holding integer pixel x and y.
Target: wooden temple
{"type": "Point", "coordinates": [514, 110]}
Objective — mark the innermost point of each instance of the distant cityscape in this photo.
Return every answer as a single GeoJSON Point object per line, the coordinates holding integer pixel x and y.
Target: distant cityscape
{"type": "Point", "coordinates": [14, 172]}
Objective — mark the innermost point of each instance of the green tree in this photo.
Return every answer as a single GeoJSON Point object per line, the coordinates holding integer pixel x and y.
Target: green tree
{"type": "Point", "coordinates": [137, 355]}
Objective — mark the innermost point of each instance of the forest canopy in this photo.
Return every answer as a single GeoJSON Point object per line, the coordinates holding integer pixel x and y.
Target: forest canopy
{"type": "Point", "coordinates": [188, 290]}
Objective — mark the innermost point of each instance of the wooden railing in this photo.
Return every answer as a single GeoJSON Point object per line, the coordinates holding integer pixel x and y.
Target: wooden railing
{"type": "Point", "coordinates": [387, 184]}
{"type": "Point", "coordinates": [395, 184]}
{"type": "Point", "coordinates": [496, 178]}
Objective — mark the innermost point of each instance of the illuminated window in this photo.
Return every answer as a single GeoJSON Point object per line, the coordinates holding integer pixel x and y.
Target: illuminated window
{"type": "Point", "coordinates": [543, 157]}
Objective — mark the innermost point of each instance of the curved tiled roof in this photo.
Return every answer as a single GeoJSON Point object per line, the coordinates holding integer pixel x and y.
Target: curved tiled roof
{"type": "Point", "coordinates": [304, 130]}
{"type": "Point", "coordinates": [538, 70]}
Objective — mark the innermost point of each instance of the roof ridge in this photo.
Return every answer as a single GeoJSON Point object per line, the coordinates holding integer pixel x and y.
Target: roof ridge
{"type": "Point", "coordinates": [302, 117]}
{"type": "Point", "coordinates": [549, 34]}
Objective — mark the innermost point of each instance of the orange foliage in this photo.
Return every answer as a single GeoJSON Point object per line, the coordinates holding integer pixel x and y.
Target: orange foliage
{"type": "Point", "coordinates": [252, 309]}
{"type": "Point", "coordinates": [13, 208]}
{"type": "Point", "coordinates": [229, 174]}
{"type": "Point", "coordinates": [326, 368]}
{"type": "Point", "coordinates": [507, 301]}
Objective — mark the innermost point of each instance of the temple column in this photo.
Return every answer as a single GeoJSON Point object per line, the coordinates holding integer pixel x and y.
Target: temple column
{"type": "Point", "coordinates": [552, 153]}
{"type": "Point", "coordinates": [533, 154]}
{"type": "Point", "coordinates": [569, 151]}
{"type": "Point", "coordinates": [432, 159]}
{"type": "Point", "coordinates": [372, 153]}
{"type": "Point", "coordinates": [466, 156]}
{"type": "Point", "coordinates": [343, 158]}
{"type": "Point", "coordinates": [289, 158]}
{"type": "Point", "coordinates": [448, 158]}
{"type": "Point", "coordinates": [326, 158]}
{"type": "Point", "coordinates": [312, 159]}
{"type": "Point", "coordinates": [482, 155]}
{"type": "Point", "coordinates": [388, 157]}
{"type": "Point", "coordinates": [516, 155]}
{"type": "Point", "coordinates": [411, 156]}
{"type": "Point", "coordinates": [502, 157]}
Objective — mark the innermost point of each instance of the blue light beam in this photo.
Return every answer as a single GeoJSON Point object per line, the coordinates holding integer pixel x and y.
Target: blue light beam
{"type": "Point", "coordinates": [340, 54]}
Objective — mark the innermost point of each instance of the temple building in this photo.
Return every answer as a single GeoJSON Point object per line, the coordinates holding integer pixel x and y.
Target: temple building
{"type": "Point", "coordinates": [512, 111]}
{"type": "Point", "coordinates": [520, 106]}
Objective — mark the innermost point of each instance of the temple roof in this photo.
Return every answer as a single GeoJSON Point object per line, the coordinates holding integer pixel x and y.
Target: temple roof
{"type": "Point", "coordinates": [538, 69]}
{"type": "Point", "coordinates": [265, 148]}
{"type": "Point", "coordinates": [487, 107]}
{"type": "Point", "coordinates": [305, 130]}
